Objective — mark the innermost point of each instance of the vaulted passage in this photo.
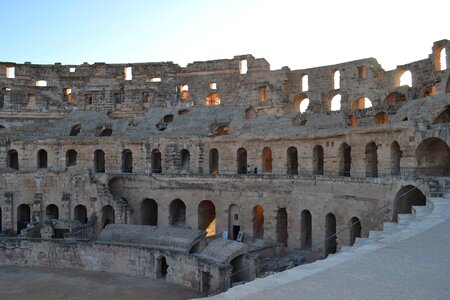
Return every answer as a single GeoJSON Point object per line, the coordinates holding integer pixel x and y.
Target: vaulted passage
{"type": "Point", "coordinates": [292, 161]}
{"type": "Point", "coordinates": [305, 230]}
{"type": "Point", "coordinates": [156, 161]}
{"type": "Point", "coordinates": [42, 159]}
{"type": "Point", "coordinates": [258, 222]}
{"type": "Point", "coordinates": [213, 161]}
{"type": "Point", "coordinates": [282, 226]}
{"type": "Point", "coordinates": [99, 161]}
{"type": "Point", "coordinates": [177, 213]}
{"type": "Point", "coordinates": [407, 197]}
{"type": "Point", "coordinates": [355, 230]}
{"type": "Point", "coordinates": [23, 216]}
{"type": "Point", "coordinates": [80, 213]}
{"type": "Point", "coordinates": [108, 215]}
{"type": "Point", "coordinates": [234, 223]}
{"type": "Point", "coordinates": [207, 217]}
{"type": "Point", "coordinates": [330, 234]}
{"type": "Point", "coordinates": [396, 155]}
{"type": "Point", "coordinates": [267, 160]}
{"type": "Point", "coordinates": [185, 161]}
{"type": "Point", "coordinates": [345, 160]}
{"type": "Point", "coordinates": [127, 161]}
{"type": "Point", "coordinates": [242, 161]}
{"type": "Point", "coordinates": [443, 117]}
{"type": "Point", "coordinates": [433, 157]}
{"type": "Point", "coordinates": [149, 212]}
{"type": "Point", "coordinates": [318, 161]}
{"type": "Point", "coordinates": [52, 211]}
{"type": "Point", "coordinates": [371, 159]}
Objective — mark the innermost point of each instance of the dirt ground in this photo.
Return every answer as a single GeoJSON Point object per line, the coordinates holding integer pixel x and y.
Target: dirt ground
{"type": "Point", "coordinates": [50, 283]}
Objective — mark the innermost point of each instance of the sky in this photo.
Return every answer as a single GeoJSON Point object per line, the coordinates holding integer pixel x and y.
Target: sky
{"type": "Point", "coordinates": [298, 34]}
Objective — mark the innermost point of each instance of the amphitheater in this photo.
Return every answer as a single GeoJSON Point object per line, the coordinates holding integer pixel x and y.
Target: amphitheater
{"type": "Point", "coordinates": [219, 172]}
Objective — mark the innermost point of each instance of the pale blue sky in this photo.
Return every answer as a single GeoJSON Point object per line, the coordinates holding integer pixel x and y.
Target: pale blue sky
{"type": "Point", "coordinates": [298, 34]}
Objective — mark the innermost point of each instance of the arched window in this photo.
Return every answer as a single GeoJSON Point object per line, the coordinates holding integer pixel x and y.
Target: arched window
{"type": "Point", "coordinates": [234, 223]}
{"type": "Point", "coordinates": [441, 59]}
{"type": "Point", "coordinates": [108, 215]}
{"type": "Point", "coordinates": [106, 132]}
{"type": "Point", "coordinates": [71, 158]}
{"type": "Point", "coordinates": [335, 102]}
{"type": "Point", "coordinates": [405, 78]}
{"type": "Point", "coordinates": [80, 214]}
{"type": "Point", "coordinates": [99, 161]}
{"type": "Point", "coordinates": [318, 160]}
{"type": "Point", "coordinates": [292, 161]}
{"type": "Point", "coordinates": [337, 80]}
{"type": "Point", "coordinates": [371, 158]}
{"type": "Point", "coordinates": [242, 161]}
{"type": "Point", "coordinates": [13, 159]}
{"type": "Point", "coordinates": [267, 160]}
{"type": "Point", "coordinates": [127, 161]}
{"type": "Point", "coordinates": [258, 222]}
{"type": "Point", "coordinates": [381, 118]}
{"type": "Point", "coordinates": [355, 230]}
{"type": "Point", "coordinates": [305, 84]}
{"type": "Point", "coordinates": [207, 217]}
{"type": "Point", "coordinates": [156, 161]}
{"type": "Point", "coordinates": [42, 159]}
{"type": "Point", "coordinates": [177, 213]}
{"type": "Point", "coordinates": [185, 161]}
{"type": "Point", "coordinates": [52, 211]}
{"type": "Point", "coordinates": [330, 234]}
{"type": "Point", "coordinates": [149, 212]}
{"type": "Point", "coordinates": [282, 226]}
{"type": "Point", "coordinates": [213, 161]}
{"type": "Point", "coordinates": [23, 216]}
{"type": "Point", "coordinates": [301, 103]}
{"type": "Point", "coordinates": [305, 230]}
{"type": "Point", "coordinates": [75, 130]}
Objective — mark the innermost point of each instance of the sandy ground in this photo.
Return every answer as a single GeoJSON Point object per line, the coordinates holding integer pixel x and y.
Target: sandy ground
{"type": "Point", "coordinates": [50, 283]}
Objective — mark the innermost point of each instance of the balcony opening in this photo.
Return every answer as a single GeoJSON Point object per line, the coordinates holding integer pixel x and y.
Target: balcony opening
{"type": "Point", "coordinates": [242, 161]}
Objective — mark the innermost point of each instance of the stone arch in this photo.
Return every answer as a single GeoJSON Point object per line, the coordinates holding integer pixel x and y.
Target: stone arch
{"type": "Point", "coordinates": [330, 234]}
{"type": "Point", "coordinates": [106, 132]}
{"type": "Point", "coordinates": [282, 226]}
{"type": "Point", "coordinates": [108, 215]}
{"type": "Point", "coordinates": [443, 117]}
{"type": "Point", "coordinates": [213, 161]}
{"type": "Point", "coordinates": [428, 91]}
{"type": "Point", "coordinates": [80, 213]}
{"type": "Point", "coordinates": [177, 213]}
{"type": "Point", "coordinates": [305, 230]}
{"type": "Point", "coordinates": [345, 160]}
{"type": "Point", "coordinates": [42, 160]}
{"type": "Point", "coordinates": [292, 161]}
{"type": "Point", "coordinates": [75, 130]}
{"type": "Point", "coordinates": [381, 118]}
{"type": "Point", "coordinates": [394, 98]}
{"type": "Point", "coordinates": [234, 223]}
{"type": "Point", "coordinates": [300, 103]}
{"type": "Point", "coordinates": [149, 212]}
{"type": "Point", "coordinates": [396, 155]}
{"type": "Point", "coordinates": [267, 160]}
{"type": "Point", "coordinates": [407, 197]}
{"type": "Point", "coordinates": [250, 113]}
{"type": "Point", "coordinates": [371, 159]}
{"type": "Point", "coordinates": [13, 159]}
{"type": "Point", "coordinates": [404, 77]}
{"type": "Point", "coordinates": [23, 216]}
{"type": "Point", "coordinates": [352, 121]}
{"type": "Point", "coordinates": [433, 157]}
{"type": "Point", "coordinates": [212, 99]}
{"type": "Point", "coordinates": [318, 160]}
{"type": "Point", "coordinates": [355, 230]}
{"type": "Point", "coordinates": [361, 103]}
{"type": "Point", "coordinates": [336, 80]}
{"type": "Point", "coordinates": [440, 58]}
{"type": "Point", "coordinates": [185, 161]}
{"type": "Point", "coordinates": [52, 211]}
{"type": "Point", "coordinates": [156, 161]}
{"type": "Point", "coordinates": [258, 222]}
{"type": "Point", "coordinates": [207, 217]}
{"type": "Point", "coordinates": [127, 161]}
{"type": "Point", "coordinates": [334, 103]}
{"type": "Point", "coordinates": [71, 158]}
{"type": "Point", "coordinates": [99, 161]}
{"type": "Point", "coordinates": [242, 161]}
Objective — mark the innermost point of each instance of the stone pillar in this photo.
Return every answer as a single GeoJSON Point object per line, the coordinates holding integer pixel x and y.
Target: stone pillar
{"type": "Point", "coordinates": [37, 208]}
{"type": "Point", "coordinates": [65, 207]}
{"type": "Point", "coordinates": [8, 217]}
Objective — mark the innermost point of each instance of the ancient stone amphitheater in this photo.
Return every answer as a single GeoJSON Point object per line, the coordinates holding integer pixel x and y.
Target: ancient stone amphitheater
{"type": "Point", "coordinates": [204, 174]}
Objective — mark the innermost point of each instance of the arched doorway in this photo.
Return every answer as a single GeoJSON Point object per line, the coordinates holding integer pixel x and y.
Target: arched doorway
{"type": "Point", "coordinates": [305, 230]}
{"type": "Point", "coordinates": [396, 155]}
{"type": "Point", "coordinates": [80, 213]}
{"type": "Point", "coordinates": [371, 159]}
{"type": "Point", "coordinates": [213, 161]}
{"type": "Point", "coordinates": [149, 212]}
{"type": "Point", "coordinates": [156, 161]}
{"type": "Point", "coordinates": [330, 234]}
{"type": "Point", "coordinates": [234, 224]}
{"type": "Point", "coordinates": [242, 161]}
{"type": "Point", "coordinates": [282, 226]}
{"type": "Point", "coordinates": [207, 217]}
{"type": "Point", "coordinates": [407, 197]}
{"type": "Point", "coordinates": [292, 161]}
{"type": "Point", "coordinates": [433, 157]}
{"type": "Point", "coordinates": [161, 267]}
{"type": "Point", "coordinates": [23, 216]}
{"type": "Point", "coordinates": [13, 159]}
{"type": "Point", "coordinates": [108, 215]}
{"type": "Point", "coordinates": [71, 158]}
{"type": "Point", "coordinates": [258, 222]}
{"type": "Point", "coordinates": [99, 161]}
{"type": "Point", "coordinates": [355, 230]}
{"type": "Point", "coordinates": [42, 159]}
{"type": "Point", "coordinates": [127, 161]}
{"type": "Point", "coordinates": [267, 160]}
{"type": "Point", "coordinates": [52, 211]}
{"type": "Point", "coordinates": [318, 161]}
{"type": "Point", "coordinates": [185, 161]}
{"type": "Point", "coordinates": [177, 213]}
{"type": "Point", "coordinates": [345, 160]}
